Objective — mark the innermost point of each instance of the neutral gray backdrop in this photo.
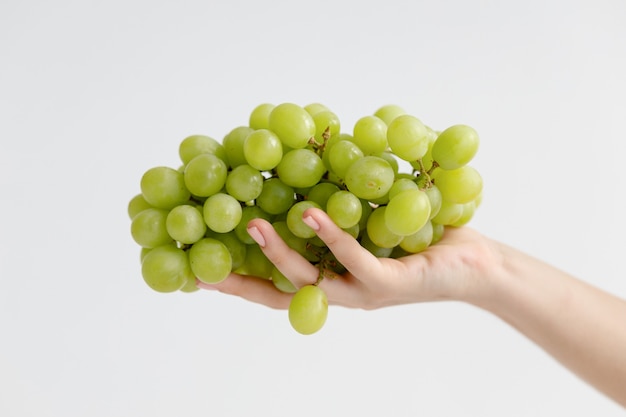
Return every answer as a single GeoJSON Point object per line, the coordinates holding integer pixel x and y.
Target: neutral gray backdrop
{"type": "Point", "coordinates": [94, 93]}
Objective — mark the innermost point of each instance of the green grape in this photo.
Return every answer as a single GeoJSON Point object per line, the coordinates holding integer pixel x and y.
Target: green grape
{"type": "Point", "coordinates": [407, 212]}
{"type": "Point", "coordinates": [222, 212]}
{"type": "Point", "coordinates": [300, 168]}
{"type": "Point", "coordinates": [448, 213]}
{"type": "Point", "coordinates": [260, 116]}
{"type": "Point", "coordinates": [244, 182]}
{"type": "Point", "coordinates": [308, 309]}
{"type": "Point", "coordinates": [460, 185]}
{"type": "Point", "coordinates": [373, 248]}
{"type": "Point", "coordinates": [393, 161]}
{"type": "Point", "coordinates": [366, 210]}
{"type": "Point", "coordinates": [165, 268]}
{"type": "Point", "coordinates": [190, 284]}
{"type": "Point", "coordinates": [321, 192]}
{"type": "Point", "coordinates": [389, 112]}
{"type": "Point", "coordinates": [438, 230]}
{"type": "Point", "coordinates": [263, 150]}
{"type": "Point", "coordinates": [205, 175]}
{"type": "Point", "coordinates": [408, 137]}
{"type": "Point", "coordinates": [256, 263]}
{"type": "Point", "coordinates": [294, 219]}
{"type": "Point", "coordinates": [378, 231]}
{"type": "Point", "coordinates": [314, 108]}
{"type": "Point", "coordinates": [185, 224]}
{"type": "Point", "coordinates": [296, 243]}
{"type": "Point", "coordinates": [326, 123]}
{"type": "Point", "coordinates": [345, 209]}
{"type": "Point", "coordinates": [233, 145]}
{"type": "Point", "coordinates": [293, 125]}
{"type": "Point", "coordinates": [402, 184]}
{"type": "Point", "coordinates": [455, 147]}
{"type": "Point", "coordinates": [434, 195]}
{"type": "Point", "coordinates": [143, 253]}
{"type": "Point", "coordinates": [466, 216]}
{"type": "Point", "coordinates": [164, 187]}
{"type": "Point", "coordinates": [136, 205]}
{"type": "Point", "coordinates": [370, 135]}
{"type": "Point", "coordinates": [353, 231]}
{"type": "Point", "coordinates": [342, 155]}
{"type": "Point", "coordinates": [281, 282]}
{"type": "Point", "coordinates": [194, 145]}
{"type": "Point", "coordinates": [210, 260]}
{"type": "Point", "coordinates": [235, 246]}
{"type": "Point", "coordinates": [276, 197]}
{"type": "Point", "coordinates": [419, 240]}
{"type": "Point", "coordinates": [248, 213]}
{"type": "Point", "coordinates": [369, 177]}
{"type": "Point", "coordinates": [148, 228]}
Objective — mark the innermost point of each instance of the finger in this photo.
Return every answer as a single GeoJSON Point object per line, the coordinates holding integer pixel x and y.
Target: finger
{"type": "Point", "coordinates": [298, 269]}
{"type": "Point", "coordinates": [358, 260]}
{"type": "Point", "coordinates": [256, 290]}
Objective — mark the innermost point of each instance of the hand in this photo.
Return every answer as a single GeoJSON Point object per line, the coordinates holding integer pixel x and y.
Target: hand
{"type": "Point", "coordinates": [458, 267]}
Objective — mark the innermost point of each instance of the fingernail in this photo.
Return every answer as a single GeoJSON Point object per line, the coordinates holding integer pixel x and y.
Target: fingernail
{"type": "Point", "coordinates": [310, 221]}
{"type": "Point", "coordinates": [257, 236]}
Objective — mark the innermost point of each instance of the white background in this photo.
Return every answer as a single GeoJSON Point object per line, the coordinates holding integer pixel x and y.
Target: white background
{"type": "Point", "coordinates": [94, 93]}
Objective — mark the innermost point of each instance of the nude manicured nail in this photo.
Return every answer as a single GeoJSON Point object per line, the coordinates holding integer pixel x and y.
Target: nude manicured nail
{"type": "Point", "coordinates": [257, 236]}
{"type": "Point", "coordinates": [310, 221]}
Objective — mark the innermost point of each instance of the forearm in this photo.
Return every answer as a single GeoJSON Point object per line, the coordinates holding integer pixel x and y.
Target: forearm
{"type": "Point", "coordinates": [581, 326]}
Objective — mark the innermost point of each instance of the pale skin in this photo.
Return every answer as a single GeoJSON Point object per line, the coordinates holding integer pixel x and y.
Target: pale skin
{"type": "Point", "coordinates": [581, 326]}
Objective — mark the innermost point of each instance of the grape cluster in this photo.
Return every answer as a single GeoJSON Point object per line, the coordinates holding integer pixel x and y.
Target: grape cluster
{"type": "Point", "coordinates": [393, 183]}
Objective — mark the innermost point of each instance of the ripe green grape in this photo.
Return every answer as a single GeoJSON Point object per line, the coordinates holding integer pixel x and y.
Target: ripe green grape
{"type": "Point", "coordinates": [408, 137]}
{"type": "Point", "coordinates": [418, 241]}
{"type": "Point", "coordinates": [263, 149]}
{"type": "Point", "coordinates": [434, 195]}
{"type": "Point", "coordinates": [256, 263]}
{"type": "Point", "coordinates": [244, 183]}
{"type": "Point", "coordinates": [370, 177]}
{"type": "Point", "coordinates": [248, 213]}
{"type": "Point", "coordinates": [378, 231]}
{"type": "Point", "coordinates": [455, 147]}
{"type": "Point", "coordinates": [205, 175]}
{"type": "Point", "coordinates": [276, 197]}
{"type": "Point", "coordinates": [148, 228]}
{"type": "Point", "coordinates": [210, 260]}
{"type": "Point", "coordinates": [370, 135]}
{"type": "Point", "coordinates": [314, 108]}
{"type": "Point", "coordinates": [166, 268]}
{"type": "Point", "coordinates": [294, 242]}
{"type": "Point", "coordinates": [301, 168]}
{"type": "Point", "coordinates": [407, 212]}
{"type": "Point", "coordinates": [164, 187]}
{"type": "Point", "coordinates": [460, 185]}
{"type": "Point", "coordinates": [342, 155]}
{"type": "Point", "coordinates": [235, 246]}
{"type": "Point", "coordinates": [326, 123]}
{"type": "Point", "coordinates": [260, 116]}
{"type": "Point", "coordinates": [448, 213]}
{"type": "Point", "coordinates": [373, 248]}
{"type": "Point", "coordinates": [345, 209]}
{"type": "Point", "coordinates": [321, 192]}
{"type": "Point", "coordinates": [136, 205]}
{"type": "Point", "coordinates": [294, 219]}
{"type": "Point", "coordinates": [402, 184]}
{"type": "Point", "coordinates": [222, 212]}
{"type": "Point", "coordinates": [293, 125]}
{"type": "Point", "coordinates": [281, 282]}
{"type": "Point", "coordinates": [389, 112]}
{"type": "Point", "coordinates": [185, 224]}
{"type": "Point", "coordinates": [233, 145]}
{"type": "Point", "coordinates": [308, 309]}
{"type": "Point", "coordinates": [194, 145]}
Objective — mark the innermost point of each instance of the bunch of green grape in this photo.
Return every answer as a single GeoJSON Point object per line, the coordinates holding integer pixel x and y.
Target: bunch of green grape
{"type": "Point", "coordinates": [392, 182]}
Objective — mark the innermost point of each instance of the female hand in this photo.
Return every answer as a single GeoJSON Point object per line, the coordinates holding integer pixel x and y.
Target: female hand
{"type": "Point", "coordinates": [458, 267]}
